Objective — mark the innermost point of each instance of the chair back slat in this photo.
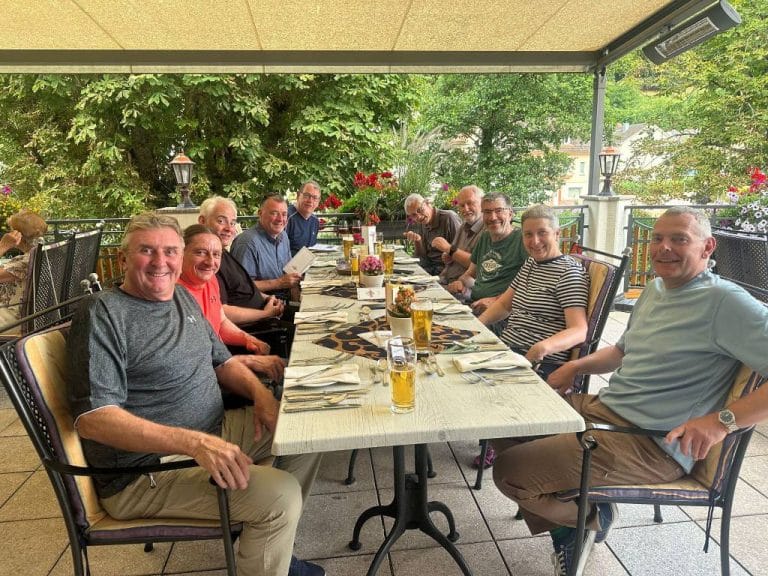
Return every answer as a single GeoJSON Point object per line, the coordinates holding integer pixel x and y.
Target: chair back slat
{"type": "Point", "coordinates": [47, 284]}
{"type": "Point", "coordinates": [743, 258]}
{"type": "Point", "coordinates": [83, 257]}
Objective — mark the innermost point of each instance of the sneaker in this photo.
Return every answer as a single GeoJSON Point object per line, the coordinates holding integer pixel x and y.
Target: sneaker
{"type": "Point", "coordinates": [490, 457]}
{"type": "Point", "coordinates": [607, 513]}
{"type": "Point", "coordinates": [304, 568]}
{"type": "Point", "coordinates": [565, 546]}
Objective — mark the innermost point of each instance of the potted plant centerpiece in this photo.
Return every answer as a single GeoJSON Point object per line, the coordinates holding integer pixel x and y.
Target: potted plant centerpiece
{"type": "Point", "coordinates": [399, 313]}
{"type": "Point", "coordinates": [371, 272]}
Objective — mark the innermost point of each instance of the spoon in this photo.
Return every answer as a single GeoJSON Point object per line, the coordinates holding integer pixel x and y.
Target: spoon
{"type": "Point", "coordinates": [381, 367]}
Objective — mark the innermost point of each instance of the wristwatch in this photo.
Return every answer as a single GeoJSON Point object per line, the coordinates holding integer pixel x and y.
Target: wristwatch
{"type": "Point", "coordinates": [727, 419]}
{"type": "Point", "coordinates": [451, 250]}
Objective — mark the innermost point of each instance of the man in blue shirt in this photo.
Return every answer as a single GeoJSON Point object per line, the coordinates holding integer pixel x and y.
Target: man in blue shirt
{"type": "Point", "coordinates": [263, 249]}
{"type": "Point", "coordinates": [303, 225]}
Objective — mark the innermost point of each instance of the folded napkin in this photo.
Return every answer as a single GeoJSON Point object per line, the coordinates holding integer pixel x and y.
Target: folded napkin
{"type": "Point", "coordinates": [322, 283]}
{"type": "Point", "coordinates": [420, 279]}
{"type": "Point", "coordinates": [321, 317]}
{"type": "Point", "coordinates": [490, 360]}
{"type": "Point", "coordinates": [323, 264]}
{"type": "Point", "coordinates": [326, 374]}
{"type": "Point", "coordinates": [406, 260]}
{"type": "Point", "coordinates": [377, 337]}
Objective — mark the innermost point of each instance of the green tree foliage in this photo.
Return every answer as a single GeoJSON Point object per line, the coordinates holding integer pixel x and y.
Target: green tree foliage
{"type": "Point", "coordinates": [510, 127]}
{"type": "Point", "coordinates": [88, 145]}
{"type": "Point", "coordinates": [716, 97]}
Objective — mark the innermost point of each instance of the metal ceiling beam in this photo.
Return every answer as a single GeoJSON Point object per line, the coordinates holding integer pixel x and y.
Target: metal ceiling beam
{"type": "Point", "coordinates": [297, 61]}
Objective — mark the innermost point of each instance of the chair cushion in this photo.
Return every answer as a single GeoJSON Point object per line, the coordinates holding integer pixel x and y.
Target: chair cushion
{"type": "Point", "coordinates": [601, 276]}
{"type": "Point", "coordinates": [42, 361]}
{"type": "Point", "coordinates": [109, 530]}
{"type": "Point", "coordinates": [685, 490]}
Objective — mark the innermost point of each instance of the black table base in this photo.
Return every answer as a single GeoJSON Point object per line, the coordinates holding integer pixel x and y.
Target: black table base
{"type": "Point", "coordinates": [410, 510]}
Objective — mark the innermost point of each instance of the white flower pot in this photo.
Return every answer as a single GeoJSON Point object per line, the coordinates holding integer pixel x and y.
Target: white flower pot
{"type": "Point", "coordinates": [400, 326]}
{"type": "Point", "coordinates": [371, 281]}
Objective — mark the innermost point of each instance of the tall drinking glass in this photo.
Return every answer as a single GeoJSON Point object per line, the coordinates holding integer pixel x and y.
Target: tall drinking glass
{"type": "Point", "coordinates": [388, 259]}
{"type": "Point", "coordinates": [347, 241]}
{"type": "Point", "coordinates": [401, 357]}
{"type": "Point", "coordinates": [421, 317]}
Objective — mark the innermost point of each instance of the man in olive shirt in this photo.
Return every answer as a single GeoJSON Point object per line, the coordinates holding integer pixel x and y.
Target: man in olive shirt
{"type": "Point", "coordinates": [496, 258]}
{"type": "Point", "coordinates": [457, 254]}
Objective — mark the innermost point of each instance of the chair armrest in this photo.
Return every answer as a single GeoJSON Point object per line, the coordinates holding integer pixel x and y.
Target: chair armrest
{"type": "Point", "coordinates": [94, 471]}
{"type": "Point", "coordinates": [589, 443]}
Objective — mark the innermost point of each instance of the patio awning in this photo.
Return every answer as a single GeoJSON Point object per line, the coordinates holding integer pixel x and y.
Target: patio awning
{"type": "Point", "coordinates": [329, 35]}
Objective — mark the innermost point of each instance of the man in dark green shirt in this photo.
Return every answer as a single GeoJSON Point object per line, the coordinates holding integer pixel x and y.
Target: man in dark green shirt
{"type": "Point", "coordinates": [496, 258]}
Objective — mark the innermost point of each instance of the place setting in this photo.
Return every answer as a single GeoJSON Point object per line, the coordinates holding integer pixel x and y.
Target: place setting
{"type": "Point", "coordinates": [322, 387]}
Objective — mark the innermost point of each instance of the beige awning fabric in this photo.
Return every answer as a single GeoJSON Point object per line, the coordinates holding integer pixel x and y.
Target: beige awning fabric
{"type": "Point", "coordinates": [265, 36]}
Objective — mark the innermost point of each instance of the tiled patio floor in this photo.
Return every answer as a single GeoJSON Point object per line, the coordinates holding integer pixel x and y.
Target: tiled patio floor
{"type": "Point", "coordinates": [493, 543]}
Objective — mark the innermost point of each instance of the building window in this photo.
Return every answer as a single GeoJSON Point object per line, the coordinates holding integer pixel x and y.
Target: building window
{"type": "Point", "coordinates": [582, 168]}
{"type": "Point", "coordinates": [573, 192]}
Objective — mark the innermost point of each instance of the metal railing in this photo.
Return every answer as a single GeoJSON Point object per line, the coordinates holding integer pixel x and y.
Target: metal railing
{"type": "Point", "coordinates": [640, 221]}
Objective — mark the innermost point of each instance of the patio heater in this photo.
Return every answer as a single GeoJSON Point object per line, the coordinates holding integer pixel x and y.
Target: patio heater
{"type": "Point", "coordinates": [609, 161]}
{"type": "Point", "coordinates": [182, 170]}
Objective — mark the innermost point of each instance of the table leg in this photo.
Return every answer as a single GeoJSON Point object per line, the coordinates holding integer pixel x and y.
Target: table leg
{"type": "Point", "coordinates": [410, 510]}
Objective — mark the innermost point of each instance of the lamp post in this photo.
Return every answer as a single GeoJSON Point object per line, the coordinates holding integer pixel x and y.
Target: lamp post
{"type": "Point", "coordinates": [609, 161]}
{"type": "Point", "coordinates": [182, 170]}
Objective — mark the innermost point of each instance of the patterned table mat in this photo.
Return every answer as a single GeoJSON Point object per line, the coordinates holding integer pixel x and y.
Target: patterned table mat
{"type": "Point", "coordinates": [349, 291]}
{"type": "Point", "coordinates": [349, 340]}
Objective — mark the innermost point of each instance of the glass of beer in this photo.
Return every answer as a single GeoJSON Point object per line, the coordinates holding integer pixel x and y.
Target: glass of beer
{"type": "Point", "coordinates": [377, 246]}
{"type": "Point", "coordinates": [401, 357]}
{"type": "Point", "coordinates": [421, 317]}
{"type": "Point", "coordinates": [347, 241]}
{"type": "Point", "coordinates": [388, 259]}
{"type": "Point", "coordinates": [354, 264]}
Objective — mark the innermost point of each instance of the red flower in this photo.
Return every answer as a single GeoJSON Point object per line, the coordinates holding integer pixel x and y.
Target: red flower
{"type": "Point", "coordinates": [732, 188]}
{"type": "Point", "coordinates": [386, 174]}
{"type": "Point", "coordinates": [372, 179]}
{"type": "Point", "coordinates": [358, 238]}
{"type": "Point", "coordinates": [374, 218]}
{"type": "Point", "coordinates": [322, 223]}
{"type": "Point", "coordinates": [360, 180]}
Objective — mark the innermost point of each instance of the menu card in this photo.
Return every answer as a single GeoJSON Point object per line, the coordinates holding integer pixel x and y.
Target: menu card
{"type": "Point", "coordinates": [301, 262]}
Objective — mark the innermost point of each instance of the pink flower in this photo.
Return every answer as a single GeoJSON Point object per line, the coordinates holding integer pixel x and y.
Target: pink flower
{"type": "Point", "coordinates": [6, 190]}
{"type": "Point", "coordinates": [445, 187]}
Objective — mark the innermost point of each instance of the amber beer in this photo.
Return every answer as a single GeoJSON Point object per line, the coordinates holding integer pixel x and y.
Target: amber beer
{"type": "Point", "coordinates": [421, 317]}
{"type": "Point", "coordinates": [347, 242]}
{"type": "Point", "coordinates": [388, 259]}
{"type": "Point", "coordinates": [401, 356]}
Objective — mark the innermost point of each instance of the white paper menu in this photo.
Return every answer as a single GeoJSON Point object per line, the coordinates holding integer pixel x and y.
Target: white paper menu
{"type": "Point", "coordinates": [301, 262]}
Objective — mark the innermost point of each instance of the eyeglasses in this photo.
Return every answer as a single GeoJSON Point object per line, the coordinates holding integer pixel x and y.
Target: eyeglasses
{"type": "Point", "coordinates": [419, 211]}
{"type": "Point", "coordinates": [309, 196]}
{"type": "Point", "coordinates": [497, 211]}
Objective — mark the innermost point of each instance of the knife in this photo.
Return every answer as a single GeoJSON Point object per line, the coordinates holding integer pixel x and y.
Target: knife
{"type": "Point", "coordinates": [315, 406]}
{"type": "Point", "coordinates": [494, 357]}
{"type": "Point", "coordinates": [315, 373]}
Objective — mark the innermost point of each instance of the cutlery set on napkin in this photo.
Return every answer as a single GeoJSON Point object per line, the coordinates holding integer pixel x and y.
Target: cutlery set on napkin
{"type": "Point", "coordinates": [503, 360]}
{"type": "Point", "coordinates": [326, 316]}
{"type": "Point", "coordinates": [322, 387]}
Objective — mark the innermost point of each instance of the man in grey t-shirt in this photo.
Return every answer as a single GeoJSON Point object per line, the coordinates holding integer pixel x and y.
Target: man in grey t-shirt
{"type": "Point", "coordinates": [143, 380]}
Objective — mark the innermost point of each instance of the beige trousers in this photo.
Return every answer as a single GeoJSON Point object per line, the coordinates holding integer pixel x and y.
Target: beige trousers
{"type": "Point", "coordinates": [532, 471]}
{"type": "Point", "coordinates": [269, 508]}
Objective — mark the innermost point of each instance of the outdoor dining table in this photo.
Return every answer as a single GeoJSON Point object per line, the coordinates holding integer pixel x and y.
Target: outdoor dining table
{"type": "Point", "coordinates": [448, 408]}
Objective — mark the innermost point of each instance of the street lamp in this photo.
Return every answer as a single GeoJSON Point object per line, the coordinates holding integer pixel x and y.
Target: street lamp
{"type": "Point", "coordinates": [182, 170]}
{"type": "Point", "coordinates": [609, 161]}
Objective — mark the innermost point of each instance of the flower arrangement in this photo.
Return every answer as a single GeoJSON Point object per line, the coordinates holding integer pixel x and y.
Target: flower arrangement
{"type": "Point", "coordinates": [401, 307]}
{"type": "Point", "coordinates": [331, 202]}
{"type": "Point", "coordinates": [371, 192]}
{"type": "Point", "coordinates": [371, 266]}
{"type": "Point", "coordinates": [357, 238]}
{"type": "Point", "coordinates": [751, 202]}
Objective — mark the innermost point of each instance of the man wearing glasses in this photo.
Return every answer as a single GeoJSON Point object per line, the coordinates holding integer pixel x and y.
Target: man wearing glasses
{"type": "Point", "coordinates": [496, 258]}
{"type": "Point", "coordinates": [303, 225]}
{"type": "Point", "coordinates": [428, 223]}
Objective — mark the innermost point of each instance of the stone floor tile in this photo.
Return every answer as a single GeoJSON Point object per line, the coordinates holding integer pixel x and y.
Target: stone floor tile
{"type": "Point", "coordinates": [15, 428]}
{"type": "Point", "coordinates": [202, 573]}
{"type": "Point", "coordinates": [119, 560]}
{"type": "Point", "coordinates": [674, 549]}
{"type": "Point", "coordinates": [443, 462]}
{"type": "Point", "coordinates": [9, 483]}
{"type": "Point", "coordinates": [333, 472]}
{"type": "Point", "coordinates": [481, 558]}
{"type": "Point", "coordinates": [17, 454]}
{"type": "Point", "coordinates": [354, 566]}
{"type": "Point", "coordinates": [533, 557]}
{"type": "Point", "coordinates": [5, 402]}
{"type": "Point", "coordinates": [33, 547]}
{"type": "Point", "coordinates": [326, 525]}
{"type": "Point", "coordinates": [195, 556]}
{"type": "Point", "coordinates": [642, 515]}
{"type": "Point", "coordinates": [758, 445]}
{"type": "Point", "coordinates": [469, 521]}
{"type": "Point", "coordinates": [747, 503]}
{"type": "Point", "coordinates": [754, 470]}
{"type": "Point", "coordinates": [7, 416]}
{"type": "Point", "coordinates": [499, 512]}
{"type": "Point", "coordinates": [464, 453]}
{"type": "Point", "coordinates": [747, 543]}
{"type": "Point", "coordinates": [34, 499]}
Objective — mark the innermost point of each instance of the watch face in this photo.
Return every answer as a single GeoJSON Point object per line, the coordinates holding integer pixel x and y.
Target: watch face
{"type": "Point", "coordinates": [727, 417]}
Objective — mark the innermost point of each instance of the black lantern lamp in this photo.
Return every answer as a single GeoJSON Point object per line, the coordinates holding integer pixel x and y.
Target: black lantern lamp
{"type": "Point", "coordinates": [609, 161]}
{"type": "Point", "coordinates": [182, 170]}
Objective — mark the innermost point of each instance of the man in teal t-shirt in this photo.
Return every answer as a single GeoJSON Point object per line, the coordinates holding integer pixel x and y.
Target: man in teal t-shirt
{"type": "Point", "coordinates": [496, 258]}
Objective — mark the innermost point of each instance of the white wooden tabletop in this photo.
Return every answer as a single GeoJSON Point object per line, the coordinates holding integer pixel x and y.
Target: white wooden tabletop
{"type": "Point", "coordinates": [448, 408]}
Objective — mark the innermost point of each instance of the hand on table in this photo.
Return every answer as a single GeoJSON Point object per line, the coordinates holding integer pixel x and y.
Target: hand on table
{"type": "Point", "coordinates": [455, 287]}
{"type": "Point", "coordinates": [253, 344]}
{"type": "Point", "coordinates": [271, 366]}
{"type": "Point", "coordinates": [536, 353]}
{"type": "Point", "coordinates": [698, 435]}
{"type": "Point", "coordinates": [290, 279]}
{"type": "Point", "coordinates": [412, 236]}
{"type": "Point", "coordinates": [441, 244]}
{"type": "Point", "coordinates": [274, 306]}
{"type": "Point", "coordinates": [225, 462]}
{"type": "Point", "coordinates": [479, 306]}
